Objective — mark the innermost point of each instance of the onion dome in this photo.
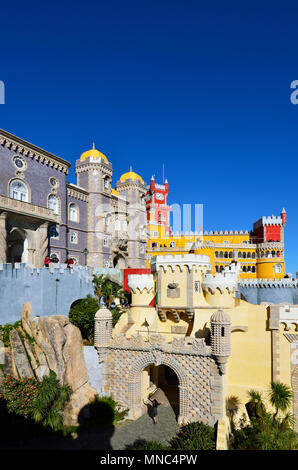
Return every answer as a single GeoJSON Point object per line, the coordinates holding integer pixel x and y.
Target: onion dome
{"type": "Point", "coordinates": [95, 154]}
{"type": "Point", "coordinates": [130, 175]}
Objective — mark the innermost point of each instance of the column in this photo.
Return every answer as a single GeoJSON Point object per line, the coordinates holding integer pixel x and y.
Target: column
{"type": "Point", "coordinates": [43, 244]}
{"type": "Point", "coordinates": [3, 236]}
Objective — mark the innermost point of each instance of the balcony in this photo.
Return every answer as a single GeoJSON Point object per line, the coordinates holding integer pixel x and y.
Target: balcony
{"type": "Point", "coordinates": [8, 204]}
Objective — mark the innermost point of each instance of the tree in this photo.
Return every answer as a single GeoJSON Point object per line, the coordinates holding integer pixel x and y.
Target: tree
{"type": "Point", "coordinates": [280, 396]}
{"type": "Point", "coordinates": [82, 315]}
{"type": "Point", "coordinates": [233, 404]}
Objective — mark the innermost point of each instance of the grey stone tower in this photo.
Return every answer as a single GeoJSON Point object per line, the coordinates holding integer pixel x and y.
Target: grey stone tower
{"type": "Point", "coordinates": [132, 187]}
{"type": "Point", "coordinates": [221, 338]}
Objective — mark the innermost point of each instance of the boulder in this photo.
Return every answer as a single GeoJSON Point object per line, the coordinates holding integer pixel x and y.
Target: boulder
{"type": "Point", "coordinates": [78, 401]}
{"type": "Point", "coordinates": [75, 373]}
{"type": "Point", "coordinates": [19, 355]}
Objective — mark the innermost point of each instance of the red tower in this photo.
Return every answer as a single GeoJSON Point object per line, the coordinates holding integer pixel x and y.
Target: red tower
{"type": "Point", "coordinates": [158, 212]}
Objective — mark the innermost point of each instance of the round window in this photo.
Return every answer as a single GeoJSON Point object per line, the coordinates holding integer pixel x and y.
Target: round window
{"type": "Point", "coordinates": [53, 182]}
{"type": "Point", "coordinates": [19, 162]}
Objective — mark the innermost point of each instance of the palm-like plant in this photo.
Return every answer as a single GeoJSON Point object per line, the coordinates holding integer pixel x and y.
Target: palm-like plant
{"type": "Point", "coordinates": [98, 282]}
{"type": "Point", "coordinates": [280, 396]}
{"type": "Point", "coordinates": [233, 403]}
{"type": "Point", "coordinates": [255, 406]}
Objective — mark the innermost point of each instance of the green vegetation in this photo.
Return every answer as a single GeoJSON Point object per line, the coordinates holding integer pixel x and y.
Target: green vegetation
{"type": "Point", "coordinates": [83, 312]}
{"type": "Point", "coordinates": [103, 411]}
{"type": "Point", "coordinates": [266, 430]}
{"type": "Point", "coordinates": [195, 436]}
{"type": "Point", "coordinates": [5, 330]}
{"type": "Point", "coordinates": [41, 401]}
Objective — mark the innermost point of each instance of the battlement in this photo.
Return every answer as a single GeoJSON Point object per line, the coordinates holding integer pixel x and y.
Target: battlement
{"type": "Point", "coordinates": [271, 220]}
{"type": "Point", "coordinates": [51, 291]}
{"type": "Point", "coordinates": [141, 282]}
{"type": "Point", "coordinates": [227, 279]}
{"type": "Point", "coordinates": [271, 283]}
{"type": "Point", "coordinates": [189, 260]}
{"type": "Point", "coordinates": [227, 232]}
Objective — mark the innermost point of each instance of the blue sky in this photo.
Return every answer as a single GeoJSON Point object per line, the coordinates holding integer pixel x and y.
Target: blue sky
{"type": "Point", "coordinates": [203, 87]}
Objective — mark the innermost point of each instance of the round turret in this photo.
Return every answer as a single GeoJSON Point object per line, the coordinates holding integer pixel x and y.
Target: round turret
{"type": "Point", "coordinates": [221, 338]}
{"type": "Point", "coordinates": [103, 327]}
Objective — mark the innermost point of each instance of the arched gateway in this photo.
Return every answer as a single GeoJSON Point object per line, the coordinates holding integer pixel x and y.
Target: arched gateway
{"type": "Point", "coordinates": [200, 382]}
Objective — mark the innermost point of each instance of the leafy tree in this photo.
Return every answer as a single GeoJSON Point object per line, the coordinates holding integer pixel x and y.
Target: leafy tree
{"type": "Point", "coordinates": [141, 444]}
{"type": "Point", "coordinates": [82, 315]}
{"type": "Point", "coordinates": [280, 396]}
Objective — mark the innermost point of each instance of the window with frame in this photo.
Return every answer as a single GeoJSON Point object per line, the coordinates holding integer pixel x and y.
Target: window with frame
{"type": "Point", "coordinates": [18, 190]}
{"type": "Point", "coordinates": [105, 241]}
{"type": "Point", "coordinates": [73, 213]}
{"type": "Point", "coordinates": [54, 231]}
{"type": "Point", "coordinates": [53, 204]}
{"type": "Point", "coordinates": [73, 237]}
{"type": "Point", "coordinates": [197, 286]}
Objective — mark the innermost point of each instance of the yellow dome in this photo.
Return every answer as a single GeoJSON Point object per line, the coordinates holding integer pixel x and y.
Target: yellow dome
{"type": "Point", "coordinates": [130, 175]}
{"type": "Point", "coordinates": [115, 192]}
{"type": "Point", "coordinates": [94, 154]}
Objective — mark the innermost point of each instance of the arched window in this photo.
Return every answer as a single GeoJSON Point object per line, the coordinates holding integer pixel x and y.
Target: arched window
{"type": "Point", "coordinates": [73, 213]}
{"type": "Point", "coordinates": [248, 269]}
{"type": "Point", "coordinates": [226, 254]}
{"type": "Point", "coordinates": [249, 254]}
{"type": "Point", "coordinates": [273, 253]}
{"type": "Point", "coordinates": [217, 269]}
{"type": "Point", "coordinates": [278, 268]}
{"type": "Point", "coordinates": [106, 183]}
{"type": "Point", "coordinates": [18, 190]}
{"type": "Point", "coordinates": [239, 254]}
{"type": "Point", "coordinates": [253, 269]}
{"type": "Point", "coordinates": [53, 204]}
{"type": "Point", "coordinates": [244, 269]}
{"type": "Point", "coordinates": [221, 254]}
{"type": "Point", "coordinates": [172, 244]}
{"type": "Point", "coordinates": [230, 254]}
{"type": "Point", "coordinates": [117, 224]}
{"type": "Point", "coordinates": [124, 225]}
{"type": "Point", "coordinates": [244, 255]}
{"type": "Point", "coordinates": [216, 254]}
{"type": "Point", "coordinates": [253, 255]}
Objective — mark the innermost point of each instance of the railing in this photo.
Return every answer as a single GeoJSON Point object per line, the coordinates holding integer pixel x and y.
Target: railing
{"type": "Point", "coordinates": [26, 208]}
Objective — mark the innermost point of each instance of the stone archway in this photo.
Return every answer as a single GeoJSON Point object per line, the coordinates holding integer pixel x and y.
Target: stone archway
{"type": "Point", "coordinates": [157, 358]}
{"type": "Point", "coordinates": [17, 246]}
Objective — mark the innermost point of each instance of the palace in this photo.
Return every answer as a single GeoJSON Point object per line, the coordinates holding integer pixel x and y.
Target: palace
{"type": "Point", "coordinates": [41, 214]}
{"type": "Point", "coordinates": [260, 252]}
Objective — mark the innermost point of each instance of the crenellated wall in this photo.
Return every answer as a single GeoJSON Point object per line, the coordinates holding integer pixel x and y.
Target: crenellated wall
{"type": "Point", "coordinates": [51, 291]}
{"type": "Point", "coordinates": [257, 291]}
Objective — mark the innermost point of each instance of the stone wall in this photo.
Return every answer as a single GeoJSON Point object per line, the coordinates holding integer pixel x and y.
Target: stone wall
{"type": "Point", "coordinates": [50, 291]}
{"type": "Point", "coordinates": [272, 292]}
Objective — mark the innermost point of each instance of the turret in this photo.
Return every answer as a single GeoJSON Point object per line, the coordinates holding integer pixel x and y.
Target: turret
{"type": "Point", "coordinates": [283, 217]}
{"type": "Point", "coordinates": [103, 325]}
{"type": "Point", "coordinates": [221, 338]}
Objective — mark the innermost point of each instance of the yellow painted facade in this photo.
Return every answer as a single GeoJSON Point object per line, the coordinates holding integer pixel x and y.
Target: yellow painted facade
{"type": "Point", "coordinates": [257, 261]}
{"type": "Point", "coordinates": [188, 296]}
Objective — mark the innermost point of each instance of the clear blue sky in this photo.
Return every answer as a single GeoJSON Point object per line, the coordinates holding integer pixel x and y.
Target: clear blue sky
{"type": "Point", "coordinates": [202, 86]}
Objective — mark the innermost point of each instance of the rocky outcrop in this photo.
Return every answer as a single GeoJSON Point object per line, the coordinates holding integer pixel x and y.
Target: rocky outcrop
{"type": "Point", "coordinates": [53, 343]}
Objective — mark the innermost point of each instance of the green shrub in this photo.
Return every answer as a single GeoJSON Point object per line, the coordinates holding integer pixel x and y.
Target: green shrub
{"type": "Point", "coordinates": [20, 394]}
{"type": "Point", "coordinates": [194, 436]}
{"type": "Point", "coordinates": [104, 411]}
{"type": "Point", "coordinates": [42, 401]}
{"type": "Point", "coordinates": [5, 330]}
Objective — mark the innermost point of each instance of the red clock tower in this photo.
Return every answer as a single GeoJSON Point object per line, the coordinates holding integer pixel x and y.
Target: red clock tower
{"type": "Point", "coordinates": [158, 212]}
